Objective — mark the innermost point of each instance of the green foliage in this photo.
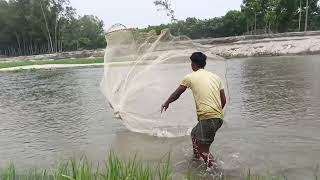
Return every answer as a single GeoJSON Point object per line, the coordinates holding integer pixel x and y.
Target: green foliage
{"type": "Point", "coordinates": [280, 15]}
{"type": "Point", "coordinates": [46, 26]}
{"type": "Point", "coordinates": [114, 169]}
{"type": "Point", "coordinates": [9, 173]}
{"type": "Point", "coordinates": [31, 27]}
{"type": "Point", "coordinates": [255, 17]}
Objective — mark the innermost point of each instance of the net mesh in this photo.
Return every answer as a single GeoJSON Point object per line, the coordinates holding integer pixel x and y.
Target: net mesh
{"type": "Point", "coordinates": [140, 71]}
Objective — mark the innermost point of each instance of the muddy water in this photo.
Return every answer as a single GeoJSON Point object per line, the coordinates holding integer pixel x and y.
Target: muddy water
{"type": "Point", "coordinates": [272, 122]}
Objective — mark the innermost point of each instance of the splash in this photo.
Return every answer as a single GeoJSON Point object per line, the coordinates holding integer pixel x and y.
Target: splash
{"type": "Point", "coordinates": [140, 72]}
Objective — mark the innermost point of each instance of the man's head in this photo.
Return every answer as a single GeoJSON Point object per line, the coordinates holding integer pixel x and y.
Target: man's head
{"type": "Point", "coordinates": [198, 60]}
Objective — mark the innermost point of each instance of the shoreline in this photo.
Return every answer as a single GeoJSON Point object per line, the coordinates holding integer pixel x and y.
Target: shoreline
{"type": "Point", "coordinates": [49, 66]}
{"type": "Point", "coordinates": [61, 66]}
{"type": "Point", "coordinates": [290, 44]}
{"type": "Point", "coordinates": [293, 43]}
{"type": "Point", "coordinates": [280, 46]}
{"type": "Point", "coordinates": [274, 55]}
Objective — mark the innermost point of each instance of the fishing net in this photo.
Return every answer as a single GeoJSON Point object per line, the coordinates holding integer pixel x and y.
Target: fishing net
{"type": "Point", "coordinates": [141, 70]}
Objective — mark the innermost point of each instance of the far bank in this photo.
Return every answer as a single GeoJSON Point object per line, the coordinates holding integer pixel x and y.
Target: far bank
{"type": "Point", "coordinates": [287, 44]}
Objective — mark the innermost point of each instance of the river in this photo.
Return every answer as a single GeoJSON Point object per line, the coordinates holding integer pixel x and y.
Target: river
{"type": "Point", "coordinates": [272, 122]}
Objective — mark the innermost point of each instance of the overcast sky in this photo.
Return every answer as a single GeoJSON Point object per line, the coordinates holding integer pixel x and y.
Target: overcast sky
{"type": "Point", "coordinates": [141, 13]}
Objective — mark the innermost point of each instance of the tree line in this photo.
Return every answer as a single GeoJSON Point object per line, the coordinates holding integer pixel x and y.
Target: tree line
{"type": "Point", "coordinates": [31, 27]}
{"type": "Point", "coordinates": [255, 17]}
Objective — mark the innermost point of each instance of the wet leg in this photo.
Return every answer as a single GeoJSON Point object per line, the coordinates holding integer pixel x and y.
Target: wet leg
{"type": "Point", "coordinates": [195, 145]}
{"type": "Point", "coordinates": [204, 151]}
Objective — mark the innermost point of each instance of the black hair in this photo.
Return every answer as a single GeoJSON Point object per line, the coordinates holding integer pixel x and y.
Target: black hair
{"type": "Point", "coordinates": [199, 59]}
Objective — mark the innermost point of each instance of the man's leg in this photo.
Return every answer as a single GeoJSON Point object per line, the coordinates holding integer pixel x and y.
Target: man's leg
{"type": "Point", "coordinates": [195, 147]}
{"type": "Point", "coordinates": [195, 143]}
{"type": "Point", "coordinates": [204, 151]}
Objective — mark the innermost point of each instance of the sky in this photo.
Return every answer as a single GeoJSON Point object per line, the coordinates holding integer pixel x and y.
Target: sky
{"type": "Point", "coordinates": [141, 13]}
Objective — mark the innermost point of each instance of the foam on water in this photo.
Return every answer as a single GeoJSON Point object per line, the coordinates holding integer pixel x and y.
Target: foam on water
{"type": "Point", "coordinates": [138, 78]}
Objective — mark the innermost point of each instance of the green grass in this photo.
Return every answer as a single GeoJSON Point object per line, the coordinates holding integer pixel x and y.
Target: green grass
{"type": "Point", "coordinates": [112, 169]}
{"type": "Point", "coordinates": [42, 62]}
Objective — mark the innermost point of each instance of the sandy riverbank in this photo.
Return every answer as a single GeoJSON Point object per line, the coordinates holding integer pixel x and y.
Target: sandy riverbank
{"type": "Point", "coordinates": [281, 46]}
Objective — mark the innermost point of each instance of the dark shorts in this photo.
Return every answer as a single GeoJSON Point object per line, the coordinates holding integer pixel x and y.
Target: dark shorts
{"type": "Point", "coordinates": [205, 130]}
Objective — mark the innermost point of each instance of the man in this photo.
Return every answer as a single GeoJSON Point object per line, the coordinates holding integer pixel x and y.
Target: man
{"type": "Point", "coordinates": [210, 99]}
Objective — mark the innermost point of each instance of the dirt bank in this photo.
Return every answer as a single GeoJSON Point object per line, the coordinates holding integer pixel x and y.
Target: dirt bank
{"type": "Point", "coordinates": [306, 45]}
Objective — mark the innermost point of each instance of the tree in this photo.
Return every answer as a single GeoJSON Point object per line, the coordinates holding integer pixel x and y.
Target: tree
{"type": "Point", "coordinates": [271, 15]}
{"type": "Point", "coordinates": [229, 27]}
{"type": "Point", "coordinates": [306, 21]}
{"type": "Point", "coordinates": [166, 5]}
{"type": "Point", "coordinates": [300, 14]}
{"type": "Point", "coordinates": [253, 7]}
{"type": "Point", "coordinates": [45, 26]}
{"type": "Point", "coordinates": [91, 28]}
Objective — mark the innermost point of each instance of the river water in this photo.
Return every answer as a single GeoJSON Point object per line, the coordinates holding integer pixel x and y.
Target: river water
{"type": "Point", "coordinates": [272, 123]}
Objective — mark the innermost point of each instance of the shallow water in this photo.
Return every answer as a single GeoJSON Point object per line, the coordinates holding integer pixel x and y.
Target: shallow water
{"type": "Point", "coordinates": [272, 122]}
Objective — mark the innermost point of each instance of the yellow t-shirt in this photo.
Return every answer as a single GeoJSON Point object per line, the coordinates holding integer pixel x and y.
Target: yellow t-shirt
{"type": "Point", "coordinates": [206, 88]}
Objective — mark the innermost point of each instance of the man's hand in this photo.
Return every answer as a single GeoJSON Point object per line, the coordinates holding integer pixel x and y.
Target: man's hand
{"type": "Point", "coordinates": [164, 107]}
{"type": "Point", "coordinates": [174, 96]}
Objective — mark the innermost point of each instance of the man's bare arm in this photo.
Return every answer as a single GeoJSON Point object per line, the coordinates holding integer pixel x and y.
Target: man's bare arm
{"type": "Point", "coordinates": [174, 96]}
{"type": "Point", "coordinates": [223, 98]}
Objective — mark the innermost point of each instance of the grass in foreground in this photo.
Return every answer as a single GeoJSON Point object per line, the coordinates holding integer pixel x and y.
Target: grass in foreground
{"type": "Point", "coordinates": [42, 62]}
{"type": "Point", "coordinates": [112, 169]}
